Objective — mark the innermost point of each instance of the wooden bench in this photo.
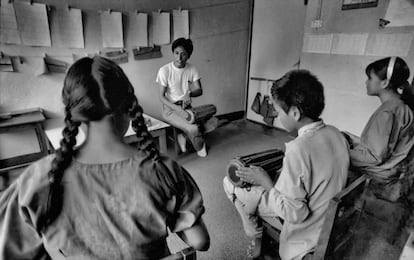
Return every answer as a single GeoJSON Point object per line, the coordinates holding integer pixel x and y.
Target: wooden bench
{"type": "Point", "coordinates": [342, 217]}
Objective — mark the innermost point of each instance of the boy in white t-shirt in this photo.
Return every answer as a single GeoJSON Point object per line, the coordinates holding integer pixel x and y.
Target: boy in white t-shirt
{"type": "Point", "coordinates": [179, 81]}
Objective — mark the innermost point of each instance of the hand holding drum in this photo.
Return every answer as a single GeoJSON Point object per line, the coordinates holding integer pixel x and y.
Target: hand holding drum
{"type": "Point", "coordinates": [269, 160]}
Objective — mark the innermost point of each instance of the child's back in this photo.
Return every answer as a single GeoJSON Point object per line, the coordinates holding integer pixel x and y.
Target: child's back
{"type": "Point", "coordinates": [315, 169]}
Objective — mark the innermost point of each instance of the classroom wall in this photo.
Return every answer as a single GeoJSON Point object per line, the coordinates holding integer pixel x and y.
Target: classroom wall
{"type": "Point", "coordinates": [347, 105]}
{"type": "Point", "coordinates": [218, 28]}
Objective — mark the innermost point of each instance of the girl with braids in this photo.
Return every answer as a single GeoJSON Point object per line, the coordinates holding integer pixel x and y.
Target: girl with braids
{"type": "Point", "coordinates": [104, 199]}
{"type": "Point", "coordinates": [385, 150]}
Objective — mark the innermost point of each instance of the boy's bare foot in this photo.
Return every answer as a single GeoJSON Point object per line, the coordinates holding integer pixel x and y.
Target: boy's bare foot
{"type": "Point", "coordinates": [255, 248]}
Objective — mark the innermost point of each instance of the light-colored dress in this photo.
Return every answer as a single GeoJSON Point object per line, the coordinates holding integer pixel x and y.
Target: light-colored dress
{"type": "Point", "coordinates": [385, 141]}
{"type": "Point", "coordinates": [119, 210]}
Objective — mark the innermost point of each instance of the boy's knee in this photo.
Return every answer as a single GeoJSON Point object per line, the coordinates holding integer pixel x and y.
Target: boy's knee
{"type": "Point", "coordinates": [201, 244]}
{"type": "Point", "coordinates": [228, 186]}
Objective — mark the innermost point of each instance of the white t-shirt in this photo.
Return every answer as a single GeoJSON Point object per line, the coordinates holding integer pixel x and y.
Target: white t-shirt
{"type": "Point", "coordinates": [176, 80]}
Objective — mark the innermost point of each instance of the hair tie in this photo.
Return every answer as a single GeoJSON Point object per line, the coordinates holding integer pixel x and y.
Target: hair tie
{"type": "Point", "coordinates": [390, 68]}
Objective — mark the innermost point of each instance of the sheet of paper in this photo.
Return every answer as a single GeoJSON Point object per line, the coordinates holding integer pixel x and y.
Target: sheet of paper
{"type": "Point", "coordinates": [33, 23]}
{"type": "Point", "coordinates": [317, 43]}
{"type": "Point", "coordinates": [67, 28]}
{"type": "Point", "coordinates": [161, 27]}
{"type": "Point", "coordinates": [181, 24]}
{"type": "Point", "coordinates": [389, 44]}
{"type": "Point", "coordinates": [349, 44]}
{"type": "Point", "coordinates": [20, 141]}
{"type": "Point", "coordinates": [400, 13]}
{"type": "Point", "coordinates": [111, 26]}
{"type": "Point", "coordinates": [140, 23]}
{"type": "Point", "coordinates": [9, 32]}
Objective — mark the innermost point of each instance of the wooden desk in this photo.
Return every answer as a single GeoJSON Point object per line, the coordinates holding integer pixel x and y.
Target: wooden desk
{"type": "Point", "coordinates": [22, 138]}
{"type": "Point", "coordinates": [157, 128]}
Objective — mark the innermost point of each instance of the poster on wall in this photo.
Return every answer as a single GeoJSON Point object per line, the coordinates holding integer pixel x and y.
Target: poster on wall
{"type": "Point", "coordinates": [357, 4]}
{"type": "Point", "coordinates": [400, 13]}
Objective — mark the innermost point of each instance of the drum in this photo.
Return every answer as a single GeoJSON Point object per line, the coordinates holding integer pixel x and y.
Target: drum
{"type": "Point", "coordinates": [201, 113]}
{"type": "Point", "coordinates": [270, 160]}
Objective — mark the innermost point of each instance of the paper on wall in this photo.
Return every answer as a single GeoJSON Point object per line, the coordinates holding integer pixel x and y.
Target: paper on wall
{"type": "Point", "coordinates": [349, 44]}
{"type": "Point", "coordinates": [140, 35]}
{"type": "Point", "coordinates": [389, 44]}
{"type": "Point", "coordinates": [33, 23]}
{"type": "Point", "coordinates": [317, 43]}
{"type": "Point", "coordinates": [181, 24]}
{"type": "Point", "coordinates": [9, 32]}
{"type": "Point", "coordinates": [161, 27]}
{"type": "Point", "coordinates": [111, 26]}
{"type": "Point", "coordinates": [400, 13]}
{"type": "Point", "coordinates": [67, 28]}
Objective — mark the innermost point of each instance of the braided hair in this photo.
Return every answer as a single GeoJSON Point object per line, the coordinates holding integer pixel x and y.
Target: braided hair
{"type": "Point", "coordinates": [93, 88]}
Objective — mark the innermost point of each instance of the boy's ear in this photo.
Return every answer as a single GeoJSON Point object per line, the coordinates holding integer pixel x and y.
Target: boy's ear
{"type": "Point", "coordinates": [295, 113]}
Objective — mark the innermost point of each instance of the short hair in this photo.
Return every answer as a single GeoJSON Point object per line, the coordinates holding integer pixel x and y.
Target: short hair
{"type": "Point", "coordinates": [186, 44]}
{"type": "Point", "coordinates": [302, 89]}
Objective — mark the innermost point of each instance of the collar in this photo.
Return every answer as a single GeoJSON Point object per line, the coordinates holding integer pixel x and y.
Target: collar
{"type": "Point", "coordinates": [312, 127]}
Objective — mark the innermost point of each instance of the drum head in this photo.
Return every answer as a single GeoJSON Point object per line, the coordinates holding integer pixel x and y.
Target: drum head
{"type": "Point", "coordinates": [231, 173]}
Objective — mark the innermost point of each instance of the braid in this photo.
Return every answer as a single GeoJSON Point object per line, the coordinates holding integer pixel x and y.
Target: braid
{"type": "Point", "coordinates": [61, 161]}
{"type": "Point", "coordinates": [145, 140]}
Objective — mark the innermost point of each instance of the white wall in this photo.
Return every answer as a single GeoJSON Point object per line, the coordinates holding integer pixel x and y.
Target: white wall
{"type": "Point", "coordinates": [347, 105]}
{"type": "Point", "coordinates": [219, 29]}
{"type": "Point", "coordinates": [276, 46]}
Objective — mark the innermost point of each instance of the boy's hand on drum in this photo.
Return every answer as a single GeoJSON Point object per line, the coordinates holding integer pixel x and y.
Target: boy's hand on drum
{"type": "Point", "coordinates": [186, 100]}
{"type": "Point", "coordinates": [255, 176]}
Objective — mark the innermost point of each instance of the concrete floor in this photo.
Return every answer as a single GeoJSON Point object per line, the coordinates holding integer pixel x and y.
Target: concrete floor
{"type": "Point", "coordinates": [228, 240]}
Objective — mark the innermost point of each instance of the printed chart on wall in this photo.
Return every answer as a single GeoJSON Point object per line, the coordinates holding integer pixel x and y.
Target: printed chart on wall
{"type": "Point", "coordinates": [400, 13]}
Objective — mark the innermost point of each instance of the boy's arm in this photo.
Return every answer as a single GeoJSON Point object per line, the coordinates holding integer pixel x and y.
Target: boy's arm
{"type": "Point", "coordinates": [196, 89]}
{"type": "Point", "coordinates": [288, 198]}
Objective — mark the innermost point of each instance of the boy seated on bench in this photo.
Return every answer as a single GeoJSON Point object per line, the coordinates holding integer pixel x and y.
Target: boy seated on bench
{"type": "Point", "coordinates": [315, 169]}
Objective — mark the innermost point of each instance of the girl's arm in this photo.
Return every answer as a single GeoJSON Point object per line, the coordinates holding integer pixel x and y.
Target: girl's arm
{"type": "Point", "coordinates": [197, 236]}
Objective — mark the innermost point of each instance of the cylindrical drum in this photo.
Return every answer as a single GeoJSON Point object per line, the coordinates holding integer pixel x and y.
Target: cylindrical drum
{"type": "Point", "coordinates": [270, 160]}
{"type": "Point", "coordinates": [201, 112]}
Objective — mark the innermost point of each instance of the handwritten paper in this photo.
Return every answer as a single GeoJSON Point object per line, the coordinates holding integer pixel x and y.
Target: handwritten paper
{"type": "Point", "coordinates": [181, 24]}
{"type": "Point", "coordinates": [349, 44]}
{"type": "Point", "coordinates": [317, 43]}
{"type": "Point", "coordinates": [140, 23]}
{"type": "Point", "coordinates": [9, 32]}
{"type": "Point", "coordinates": [389, 44]}
{"type": "Point", "coordinates": [33, 24]}
{"type": "Point", "coordinates": [161, 27]}
{"type": "Point", "coordinates": [66, 27]}
{"type": "Point", "coordinates": [111, 26]}
{"type": "Point", "coordinates": [400, 13]}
